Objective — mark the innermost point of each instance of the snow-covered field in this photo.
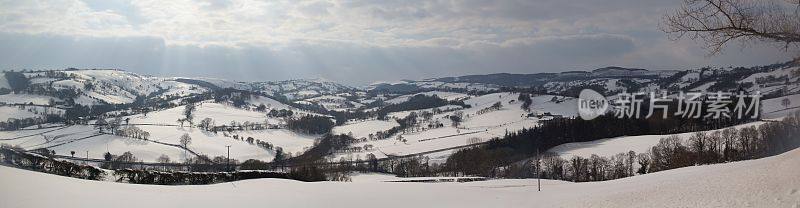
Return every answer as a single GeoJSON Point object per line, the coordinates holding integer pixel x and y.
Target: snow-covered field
{"type": "Point", "coordinates": [82, 139]}
{"type": "Point", "coordinates": [205, 142]}
{"type": "Point", "coordinates": [612, 146]}
{"type": "Point", "coordinates": [363, 129]}
{"type": "Point", "coordinates": [4, 83]}
{"type": "Point", "coordinates": [7, 112]}
{"type": "Point", "coordinates": [475, 127]}
{"type": "Point", "coordinates": [220, 113]}
{"type": "Point", "coordinates": [773, 108]}
{"type": "Point", "coordinates": [443, 95]}
{"type": "Point", "coordinates": [25, 99]}
{"type": "Point", "coordinates": [15, 112]}
{"type": "Point", "coordinates": [85, 140]}
{"type": "Point", "coordinates": [767, 182]}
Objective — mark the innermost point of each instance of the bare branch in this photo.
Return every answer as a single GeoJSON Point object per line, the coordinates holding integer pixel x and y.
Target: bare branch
{"type": "Point", "coordinates": [718, 22]}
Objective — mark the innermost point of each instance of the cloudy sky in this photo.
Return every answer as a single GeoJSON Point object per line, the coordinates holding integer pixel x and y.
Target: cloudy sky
{"type": "Point", "coordinates": [350, 41]}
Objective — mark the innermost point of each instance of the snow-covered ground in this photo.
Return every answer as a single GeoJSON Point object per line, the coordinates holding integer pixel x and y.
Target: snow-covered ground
{"type": "Point", "coordinates": [180, 89]}
{"type": "Point", "coordinates": [82, 139]}
{"type": "Point", "coordinates": [15, 112]}
{"type": "Point", "coordinates": [205, 142]}
{"type": "Point", "coordinates": [612, 146]}
{"type": "Point", "coordinates": [7, 112]}
{"type": "Point", "coordinates": [768, 182]}
{"type": "Point", "coordinates": [475, 127]}
{"type": "Point", "coordinates": [26, 99]}
{"type": "Point", "coordinates": [773, 108]}
{"type": "Point", "coordinates": [443, 95]}
{"type": "Point", "coordinates": [363, 129]}
{"type": "Point", "coordinates": [221, 114]}
{"type": "Point", "coordinates": [4, 82]}
{"type": "Point", "coordinates": [270, 103]}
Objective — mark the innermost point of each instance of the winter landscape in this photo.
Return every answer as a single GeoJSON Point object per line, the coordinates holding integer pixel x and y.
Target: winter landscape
{"type": "Point", "coordinates": [420, 104]}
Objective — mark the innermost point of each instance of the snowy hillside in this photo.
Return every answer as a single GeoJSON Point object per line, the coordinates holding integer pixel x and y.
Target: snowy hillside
{"type": "Point", "coordinates": [431, 118]}
{"type": "Point", "coordinates": [612, 80]}
{"type": "Point", "coordinates": [478, 126]}
{"type": "Point", "coordinates": [699, 186]}
{"type": "Point", "coordinates": [611, 146]}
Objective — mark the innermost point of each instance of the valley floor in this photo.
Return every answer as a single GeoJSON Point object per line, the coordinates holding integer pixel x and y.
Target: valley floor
{"type": "Point", "coordinates": [767, 182]}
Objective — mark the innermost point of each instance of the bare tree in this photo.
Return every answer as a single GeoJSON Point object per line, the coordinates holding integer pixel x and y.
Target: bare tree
{"type": "Point", "coordinates": [729, 138]}
{"type": "Point", "coordinates": [163, 159]}
{"type": "Point", "coordinates": [699, 142]}
{"type": "Point", "coordinates": [100, 124]}
{"type": "Point", "coordinates": [185, 141]}
{"type": "Point", "coordinates": [188, 111]}
{"type": "Point", "coordinates": [206, 123]}
{"type": "Point", "coordinates": [644, 163]}
{"type": "Point", "coordinates": [717, 22]}
{"type": "Point", "coordinates": [785, 103]}
{"type": "Point", "coordinates": [114, 124]}
{"type": "Point", "coordinates": [457, 118]}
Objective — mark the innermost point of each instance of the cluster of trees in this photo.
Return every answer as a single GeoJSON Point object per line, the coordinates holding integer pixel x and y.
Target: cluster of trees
{"type": "Point", "coordinates": [204, 163]}
{"type": "Point", "coordinates": [310, 124]}
{"type": "Point", "coordinates": [526, 100]}
{"type": "Point", "coordinates": [236, 97]}
{"type": "Point", "coordinates": [18, 157]}
{"type": "Point", "coordinates": [418, 102]}
{"type": "Point", "coordinates": [366, 147]}
{"type": "Point", "coordinates": [720, 146]}
{"type": "Point", "coordinates": [456, 118]}
{"type": "Point", "coordinates": [323, 147]}
{"type": "Point", "coordinates": [253, 141]}
{"type": "Point", "coordinates": [17, 81]}
{"type": "Point", "coordinates": [238, 126]}
{"type": "Point", "coordinates": [125, 169]}
{"type": "Point", "coordinates": [133, 132]}
{"type": "Point", "coordinates": [726, 145]}
{"type": "Point", "coordinates": [125, 160]}
{"type": "Point", "coordinates": [18, 123]}
{"type": "Point", "coordinates": [206, 124]}
{"type": "Point", "coordinates": [280, 113]}
{"type": "Point", "coordinates": [113, 125]}
{"type": "Point", "coordinates": [496, 106]}
{"type": "Point", "coordinates": [517, 146]}
{"type": "Point", "coordinates": [410, 122]}
{"type": "Point", "coordinates": [201, 178]}
{"type": "Point", "coordinates": [188, 113]}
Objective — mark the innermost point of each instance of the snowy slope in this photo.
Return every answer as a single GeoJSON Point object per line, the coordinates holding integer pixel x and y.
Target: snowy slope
{"type": "Point", "coordinates": [768, 182]}
{"type": "Point", "coordinates": [4, 82]}
{"type": "Point", "coordinates": [363, 129]}
{"type": "Point", "coordinates": [85, 138]}
{"type": "Point", "coordinates": [222, 115]}
{"type": "Point", "coordinates": [475, 127]}
{"type": "Point", "coordinates": [612, 146]}
{"type": "Point", "coordinates": [13, 112]}
{"type": "Point", "coordinates": [213, 144]}
{"type": "Point", "coordinates": [449, 96]}
{"type": "Point", "coordinates": [773, 108]}
{"type": "Point", "coordinates": [8, 112]}
{"type": "Point", "coordinates": [26, 99]}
